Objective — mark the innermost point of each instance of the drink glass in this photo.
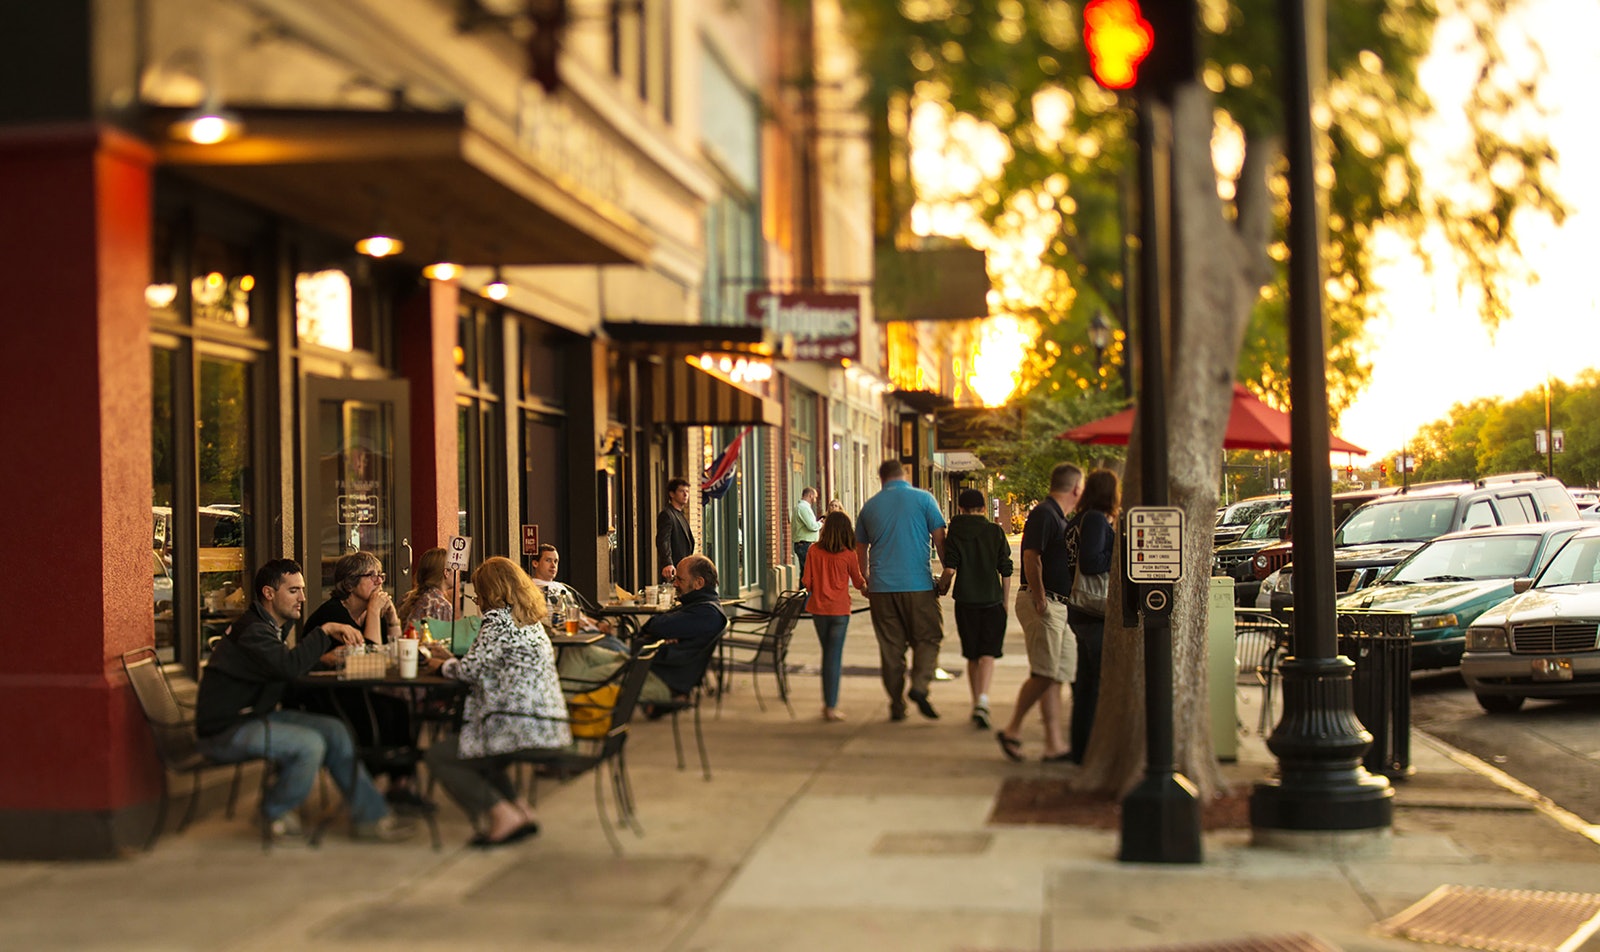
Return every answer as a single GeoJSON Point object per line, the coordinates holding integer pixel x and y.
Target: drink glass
{"type": "Point", "coordinates": [572, 624]}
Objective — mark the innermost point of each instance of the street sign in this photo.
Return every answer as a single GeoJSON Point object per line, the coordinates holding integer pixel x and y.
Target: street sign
{"type": "Point", "coordinates": [1155, 544]}
{"type": "Point", "coordinates": [530, 540]}
{"type": "Point", "coordinates": [457, 551]}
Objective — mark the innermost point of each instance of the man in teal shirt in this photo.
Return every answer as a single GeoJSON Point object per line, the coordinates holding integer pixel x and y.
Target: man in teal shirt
{"type": "Point", "coordinates": [805, 525]}
{"type": "Point", "coordinates": [893, 533]}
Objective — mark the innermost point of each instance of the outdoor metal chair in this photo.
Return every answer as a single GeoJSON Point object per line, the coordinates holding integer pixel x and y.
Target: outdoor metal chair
{"type": "Point", "coordinates": [769, 638]}
{"type": "Point", "coordinates": [1260, 641]}
{"type": "Point", "coordinates": [177, 745]}
{"type": "Point", "coordinates": [603, 754]}
{"type": "Point", "coordinates": [678, 705]}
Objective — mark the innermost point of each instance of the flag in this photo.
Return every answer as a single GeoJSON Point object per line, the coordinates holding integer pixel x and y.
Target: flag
{"type": "Point", "coordinates": [719, 476]}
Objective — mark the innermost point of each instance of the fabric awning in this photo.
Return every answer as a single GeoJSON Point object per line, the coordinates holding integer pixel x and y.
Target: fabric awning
{"type": "Point", "coordinates": [684, 394]}
{"type": "Point", "coordinates": [450, 184]}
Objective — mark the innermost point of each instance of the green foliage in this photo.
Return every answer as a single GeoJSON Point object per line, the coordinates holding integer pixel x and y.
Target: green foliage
{"type": "Point", "coordinates": [993, 58]}
{"type": "Point", "coordinates": [1489, 436]}
{"type": "Point", "coordinates": [1023, 466]}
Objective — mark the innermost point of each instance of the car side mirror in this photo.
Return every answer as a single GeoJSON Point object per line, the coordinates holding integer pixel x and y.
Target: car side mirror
{"type": "Point", "coordinates": [1283, 533]}
{"type": "Point", "coordinates": [1521, 585]}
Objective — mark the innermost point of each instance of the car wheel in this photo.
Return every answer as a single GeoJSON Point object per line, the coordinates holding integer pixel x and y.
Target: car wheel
{"type": "Point", "coordinates": [1500, 703]}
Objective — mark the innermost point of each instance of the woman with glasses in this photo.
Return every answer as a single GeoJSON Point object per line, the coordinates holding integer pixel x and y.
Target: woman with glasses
{"type": "Point", "coordinates": [358, 600]}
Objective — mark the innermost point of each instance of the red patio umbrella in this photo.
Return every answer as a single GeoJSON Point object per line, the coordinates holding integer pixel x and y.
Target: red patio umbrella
{"type": "Point", "coordinates": [1252, 425]}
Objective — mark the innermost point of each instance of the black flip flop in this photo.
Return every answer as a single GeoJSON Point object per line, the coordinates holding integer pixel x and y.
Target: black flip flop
{"type": "Point", "coordinates": [1010, 746]}
{"type": "Point", "coordinates": [482, 841]}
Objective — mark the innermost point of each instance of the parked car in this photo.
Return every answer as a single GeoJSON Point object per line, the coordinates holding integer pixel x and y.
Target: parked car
{"type": "Point", "coordinates": [1235, 559]}
{"type": "Point", "coordinates": [1544, 641]}
{"type": "Point", "coordinates": [1382, 532]}
{"type": "Point", "coordinates": [1274, 557]}
{"type": "Point", "coordinates": [1448, 582]}
{"type": "Point", "coordinates": [1237, 517]}
{"type": "Point", "coordinates": [1587, 501]}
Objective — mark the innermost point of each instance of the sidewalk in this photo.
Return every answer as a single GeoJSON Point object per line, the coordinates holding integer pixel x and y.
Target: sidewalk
{"type": "Point", "coordinates": [865, 835]}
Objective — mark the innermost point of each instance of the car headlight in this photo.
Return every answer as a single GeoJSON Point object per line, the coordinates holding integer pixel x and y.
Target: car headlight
{"type": "Point", "coordinates": [1434, 622]}
{"type": "Point", "coordinates": [1261, 561]}
{"type": "Point", "coordinates": [1286, 583]}
{"type": "Point", "coordinates": [1486, 639]}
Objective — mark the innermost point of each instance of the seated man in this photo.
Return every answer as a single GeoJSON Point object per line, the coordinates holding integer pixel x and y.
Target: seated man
{"type": "Point", "coordinates": [544, 576]}
{"type": "Point", "coordinates": [688, 633]}
{"type": "Point", "coordinates": [236, 716]}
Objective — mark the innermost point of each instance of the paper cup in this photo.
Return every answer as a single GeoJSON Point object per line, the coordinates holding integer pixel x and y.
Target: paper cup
{"type": "Point", "coordinates": [408, 657]}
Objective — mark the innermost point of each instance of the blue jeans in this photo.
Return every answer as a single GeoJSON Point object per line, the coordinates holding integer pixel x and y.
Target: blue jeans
{"type": "Point", "coordinates": [831, 630]}
{"type": "Point", "coordinates": [800, 550]}
{"type": "Point", "coordinates": [300, 743]}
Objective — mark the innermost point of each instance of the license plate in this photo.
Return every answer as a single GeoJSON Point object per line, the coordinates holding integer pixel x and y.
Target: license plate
{"type": "Point", "coordinates": [1552, 669]}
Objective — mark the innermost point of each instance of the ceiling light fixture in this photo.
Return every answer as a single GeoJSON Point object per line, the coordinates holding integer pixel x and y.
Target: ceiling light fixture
{"type": "Point", "coordinates": [207, 123]}
{"type": "Point", "coordinates": [441, 270]}
{"type": "Point", "coordinates": [497, 289]}
{"type": "Point", "coordinates": [380, 245]}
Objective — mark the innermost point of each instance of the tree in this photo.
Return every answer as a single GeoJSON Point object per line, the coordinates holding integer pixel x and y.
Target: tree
{"type": "Point", "coordinates": [1018, 66]}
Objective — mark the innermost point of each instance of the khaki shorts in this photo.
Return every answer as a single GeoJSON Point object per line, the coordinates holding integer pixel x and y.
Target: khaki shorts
{"type": "Point", "coordinates": [1052, 650]}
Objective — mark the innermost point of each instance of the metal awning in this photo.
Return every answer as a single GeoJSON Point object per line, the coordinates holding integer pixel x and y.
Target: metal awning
{"type": "Point", "coordinates": [445, 183]}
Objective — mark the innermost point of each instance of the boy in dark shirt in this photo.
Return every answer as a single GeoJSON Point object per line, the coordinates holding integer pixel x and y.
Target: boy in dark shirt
{"type": "Point", "coordinates": [978, 558]}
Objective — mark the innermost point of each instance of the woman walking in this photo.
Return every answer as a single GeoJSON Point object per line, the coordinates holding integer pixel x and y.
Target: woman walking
{"type": "Point", "coordinates": [1094, 517]}
{"type": "Point", "coordinates": [831, 568]}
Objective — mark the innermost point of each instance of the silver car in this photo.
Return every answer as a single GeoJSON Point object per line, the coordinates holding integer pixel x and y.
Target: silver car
{"type": "Point", "coordinates": [1543, 642]}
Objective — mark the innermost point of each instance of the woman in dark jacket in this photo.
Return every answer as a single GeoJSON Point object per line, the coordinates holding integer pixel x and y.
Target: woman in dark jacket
{"type": "Point", "coordinates": [1094, 518]}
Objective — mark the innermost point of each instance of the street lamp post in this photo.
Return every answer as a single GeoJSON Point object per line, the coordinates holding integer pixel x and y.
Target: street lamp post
{"type": "Point", "coordinates": [1099, 338]}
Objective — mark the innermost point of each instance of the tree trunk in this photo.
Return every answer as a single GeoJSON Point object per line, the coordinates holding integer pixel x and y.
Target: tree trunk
{"type": "Point", "coordinates": [1218, 267]}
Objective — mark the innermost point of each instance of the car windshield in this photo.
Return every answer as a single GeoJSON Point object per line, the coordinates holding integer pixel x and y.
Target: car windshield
{"type": "Point", "coordinates": [1469, 559]}
{"type": "Point", "coordinates": [1244, 513]}
{"type": "Point", "coordinates": [1577, 563]}
{"type": "Point", "coordinates": [1404, 520]}
{"type": "Point", "coordinates": [1266, 527]}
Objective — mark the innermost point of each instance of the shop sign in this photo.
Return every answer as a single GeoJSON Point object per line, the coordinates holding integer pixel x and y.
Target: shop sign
{"type": "Point", "coordinates": [357, 509]}
{"type": "Point", "coordinates": [972, 428]}
{"type": "Point", "coordinates": [821, 326]}
{"type": "Point", "coordinates": [555, 137]}
{"type": "Point", "coordinates": [530, 540]}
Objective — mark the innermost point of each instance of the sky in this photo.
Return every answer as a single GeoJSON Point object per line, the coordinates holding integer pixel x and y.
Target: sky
{"type": "Point", "coordinates": [1430, 350]}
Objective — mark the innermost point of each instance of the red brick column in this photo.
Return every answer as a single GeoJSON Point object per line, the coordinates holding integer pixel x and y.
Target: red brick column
{"type": "Point", "coordinates": [78, 772]}
{"type": "Point", "coordinates": [428, 327]}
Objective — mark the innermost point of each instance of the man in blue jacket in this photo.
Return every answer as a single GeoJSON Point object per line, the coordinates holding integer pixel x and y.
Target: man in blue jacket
{"type": "Point", "coordinates": [689, 632]}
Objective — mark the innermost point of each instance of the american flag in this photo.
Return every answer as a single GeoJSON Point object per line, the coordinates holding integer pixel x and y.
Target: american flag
{"type": "Point", "coordinates": [717, 479]}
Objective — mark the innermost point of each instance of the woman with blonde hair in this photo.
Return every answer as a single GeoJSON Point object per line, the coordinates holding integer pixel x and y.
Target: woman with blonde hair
{"type": "Point", "coordinates": [831, 568]}
{"type": "Point", "coordinates": [515, 703]}
{"type": "Point", "coordinates": [432, 592]}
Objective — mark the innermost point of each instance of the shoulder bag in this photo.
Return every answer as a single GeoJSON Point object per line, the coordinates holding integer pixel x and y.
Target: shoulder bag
{"type": "Point", "coordinates": [1088, 590]}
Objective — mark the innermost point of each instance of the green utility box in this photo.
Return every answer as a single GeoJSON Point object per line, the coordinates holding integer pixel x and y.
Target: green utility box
{"type": "Point", "coordinates": [1222, 669]}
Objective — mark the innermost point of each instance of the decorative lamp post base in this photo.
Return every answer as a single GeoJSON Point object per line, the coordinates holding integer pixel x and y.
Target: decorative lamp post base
{"type": "Point", "coordinates": [1319, 743]}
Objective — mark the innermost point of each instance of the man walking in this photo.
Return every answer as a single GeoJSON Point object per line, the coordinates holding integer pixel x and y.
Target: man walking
{"type": "Point", "coordinates": [892, 537]}
{"type": "Point", "coordinates": [805, 525]}
{"type": "Point", "coordinates": [978, 556]}
{"type": "Point", "coordinates": [1047, 566]}
{"type": "Point", "coordinates": [236, 715]}
{"type": "Point", "coordinates": [674, 538]}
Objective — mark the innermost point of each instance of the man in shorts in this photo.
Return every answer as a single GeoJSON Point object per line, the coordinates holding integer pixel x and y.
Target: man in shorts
{"type": "Point", "coordinates": [1047, 566]}
{"type": "Point", "coordinates": [978, 559]}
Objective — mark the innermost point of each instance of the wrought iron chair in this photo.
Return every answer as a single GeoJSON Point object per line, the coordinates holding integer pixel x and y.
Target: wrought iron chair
{"type": "Point", "coordinates": [678, 705]}
{"type": "Point", "coordinates": [173, 730]}
{"type": "Point", "coordinates": [769, 638]}
{"type": "Point", "coordinates": [1260, 641]}
{"type": "Point", "coordinates": [606, 753]}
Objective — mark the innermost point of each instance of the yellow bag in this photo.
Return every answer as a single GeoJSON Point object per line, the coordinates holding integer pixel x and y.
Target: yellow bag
{"type": "Point", "coordinates": [590, 712]}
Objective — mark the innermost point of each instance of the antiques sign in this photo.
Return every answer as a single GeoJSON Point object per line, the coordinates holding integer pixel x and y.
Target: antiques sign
{"type": "Point", "coordinates": [822, 326]}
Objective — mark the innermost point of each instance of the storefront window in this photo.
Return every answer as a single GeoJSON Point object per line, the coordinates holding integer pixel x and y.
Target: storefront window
{"type": "Point", "coordinates": [224, 444]}
{"type": "Point", "coordinates": [219, 291]}
{"type": "Point", "coordinates": [163, 450]}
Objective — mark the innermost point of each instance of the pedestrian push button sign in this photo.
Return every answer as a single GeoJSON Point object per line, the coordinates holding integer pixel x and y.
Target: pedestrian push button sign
{"type": "Point", "coordinates": [1155, 544]}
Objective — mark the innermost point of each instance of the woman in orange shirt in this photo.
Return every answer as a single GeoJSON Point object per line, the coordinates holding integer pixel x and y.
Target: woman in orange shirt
{"type": "Point", "coordinates": [831, 568]}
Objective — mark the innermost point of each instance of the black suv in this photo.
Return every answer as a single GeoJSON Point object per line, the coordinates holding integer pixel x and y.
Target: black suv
{"type": "Point", "coordinates": [1379, 534]}
{"type": "Point", "coordinates": [1233, 519]}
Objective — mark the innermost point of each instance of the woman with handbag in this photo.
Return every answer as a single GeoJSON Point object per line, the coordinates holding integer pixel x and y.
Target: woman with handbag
{"type": "Point", "coordinates": [1093, 519]}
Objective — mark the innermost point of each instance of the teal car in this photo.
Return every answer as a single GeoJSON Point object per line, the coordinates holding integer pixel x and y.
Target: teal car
{"type": "Point", "coordinates": [1451, 580]}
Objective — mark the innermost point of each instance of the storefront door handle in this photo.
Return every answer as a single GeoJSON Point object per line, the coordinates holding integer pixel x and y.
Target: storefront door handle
{"type": "Point", "coordinates": [405, 569]}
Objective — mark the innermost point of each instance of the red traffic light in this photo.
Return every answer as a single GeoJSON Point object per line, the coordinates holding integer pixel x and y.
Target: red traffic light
{"type": "Point", "coordinates": [1118, 39]}
{"type": "Point", "coordinates": [1350, 472]}
{"type": "Point", "coordinates": [1383, 469]}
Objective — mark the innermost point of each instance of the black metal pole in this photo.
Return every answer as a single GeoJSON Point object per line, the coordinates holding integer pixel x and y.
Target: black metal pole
{"type": "Point", "coordinates": [1319, 742]}
{"type": "Point", "coordinates": [1160, 816]}
{"type": "Point", "coordinates": [1549, 434]}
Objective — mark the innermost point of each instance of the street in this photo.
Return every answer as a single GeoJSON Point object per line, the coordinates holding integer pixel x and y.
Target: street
{"type": "Point", "coordinates": [1552, 746]}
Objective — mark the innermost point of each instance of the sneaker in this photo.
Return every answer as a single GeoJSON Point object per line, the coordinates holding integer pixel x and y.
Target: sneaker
{"type": "Point", "coordinates": [287, 829]}
{"type": "Point", "coordinates": [390, 829]}
{"type": "Point", "coordinates": [980, 717]}
{"type": "Point", "coordinates": [920, 699]}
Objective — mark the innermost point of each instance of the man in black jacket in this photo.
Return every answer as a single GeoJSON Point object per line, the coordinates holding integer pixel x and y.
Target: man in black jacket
{"type": "Point", "coordinates": [689, 632]}
{"type": "Point", "coordinates": [674, 537]}
{"type": "Point", "coordinates": [236, 716]}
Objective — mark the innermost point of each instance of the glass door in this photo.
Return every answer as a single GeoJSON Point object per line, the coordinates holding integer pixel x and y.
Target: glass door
{"type": "Point", "coordinates": [357, 482]}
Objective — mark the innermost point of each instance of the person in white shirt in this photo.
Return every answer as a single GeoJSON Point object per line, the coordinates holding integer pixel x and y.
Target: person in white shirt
{"type": "Point", "coordinates": [544, 576]}
{"type": "Point", "coordinates": [805, 525]}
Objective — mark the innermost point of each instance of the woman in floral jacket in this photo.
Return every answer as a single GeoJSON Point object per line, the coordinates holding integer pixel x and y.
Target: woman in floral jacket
{"type": "Point", "coordinates": [515, 703]}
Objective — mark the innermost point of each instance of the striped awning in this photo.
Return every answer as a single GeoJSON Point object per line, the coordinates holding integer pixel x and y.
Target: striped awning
{"type": "Point", "coordinates": [682, 393]}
